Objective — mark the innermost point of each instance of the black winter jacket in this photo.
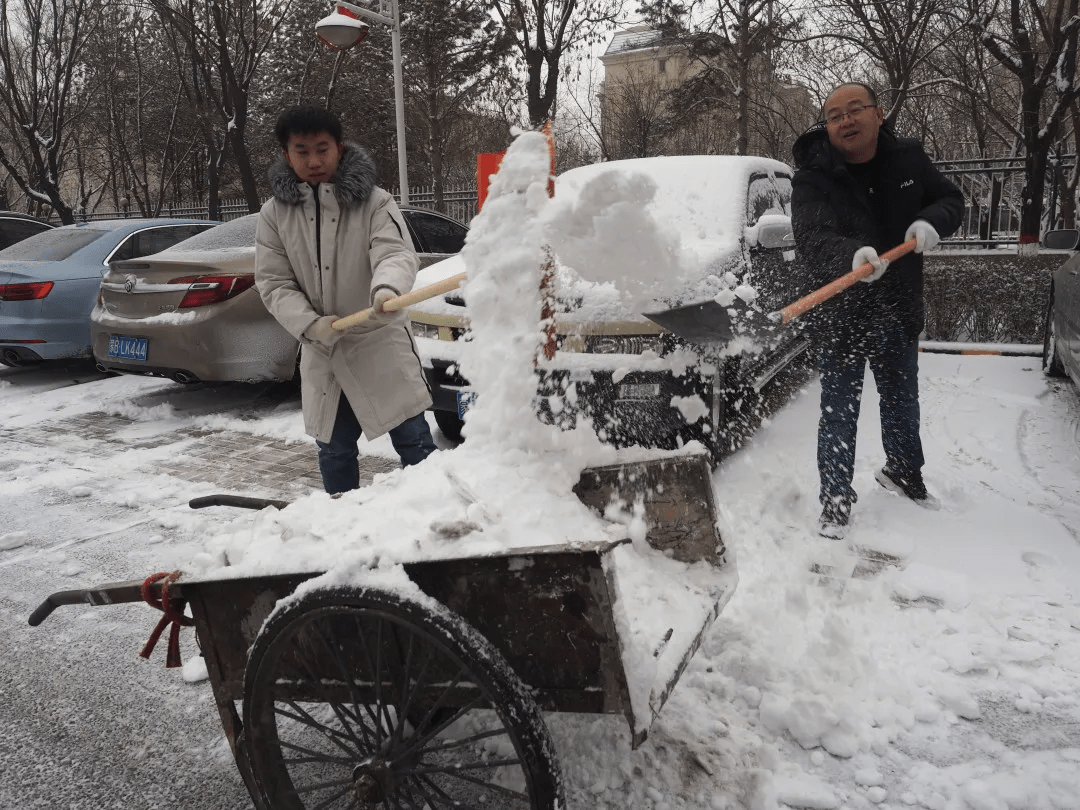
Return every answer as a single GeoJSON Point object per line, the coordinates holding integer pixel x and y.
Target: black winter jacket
{"type": "Point", "coordinates": [832, 218]}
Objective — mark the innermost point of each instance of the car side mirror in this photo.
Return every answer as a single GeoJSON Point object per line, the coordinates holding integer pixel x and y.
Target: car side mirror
{"type": "Point", "coordinates": [772, 231]}
{"type": "Point", "coordinates": [1066, 239]}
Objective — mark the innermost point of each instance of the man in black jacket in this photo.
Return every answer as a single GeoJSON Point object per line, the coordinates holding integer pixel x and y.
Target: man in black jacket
{"type": "Point", "coordinates": [859, 190]}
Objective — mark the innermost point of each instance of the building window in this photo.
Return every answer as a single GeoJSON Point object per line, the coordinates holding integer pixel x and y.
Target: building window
{"type": "Point", "coordinates": [661, 65]}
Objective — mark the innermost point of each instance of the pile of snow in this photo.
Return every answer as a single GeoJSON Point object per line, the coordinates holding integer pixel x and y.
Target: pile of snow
{"type": "Point", "coordinates": [609, 233]}
{"type": "Point", "coordinates": [510, 485]}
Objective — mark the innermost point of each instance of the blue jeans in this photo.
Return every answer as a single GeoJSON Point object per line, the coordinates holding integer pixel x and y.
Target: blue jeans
{"type": "Point", "coordinates": [894, 361]}
{"type": "Point", "coordinates": [338, 458]}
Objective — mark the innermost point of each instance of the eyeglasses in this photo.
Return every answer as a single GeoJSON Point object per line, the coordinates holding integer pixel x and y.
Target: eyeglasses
{"type": "Point", "coordinates": [835, 118]}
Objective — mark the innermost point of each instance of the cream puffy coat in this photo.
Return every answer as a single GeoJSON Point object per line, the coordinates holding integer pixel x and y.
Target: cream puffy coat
{"type": "Point", "coordinates": [321, 251]}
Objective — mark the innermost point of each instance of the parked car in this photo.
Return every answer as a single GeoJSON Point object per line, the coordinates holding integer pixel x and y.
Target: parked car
{"type": "Point", "coordinates": [734, 212]}
{"type": "Point", "coordinates": [49, 282]}
{"type": "Point", "coordinates": [192, 313]}
{"type": "Point", "coordinates": [1061, 341]}
{"type": "Point", "coordinates": [14, 227]}
{"type": "Point", "coordinates": [435, 236]}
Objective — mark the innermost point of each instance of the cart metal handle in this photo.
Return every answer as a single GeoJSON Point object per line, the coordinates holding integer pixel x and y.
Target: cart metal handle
{"type": "Point", "coordinates": [56, 600]}
{"type": "Point", "coordinates": [112, 593]}
{"type": "Point", "coordinates": [102, 595]}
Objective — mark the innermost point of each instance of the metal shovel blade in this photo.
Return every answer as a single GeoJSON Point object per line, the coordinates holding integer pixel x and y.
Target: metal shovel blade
{"type": "Point", "coordinates": [707, 322]}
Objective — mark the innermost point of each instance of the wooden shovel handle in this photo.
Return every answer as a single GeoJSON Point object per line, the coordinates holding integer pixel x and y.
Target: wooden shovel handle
{"type": "Point", "coordinates": [810, 301]}
{"type": "Point", "coordinates": [402, 301]}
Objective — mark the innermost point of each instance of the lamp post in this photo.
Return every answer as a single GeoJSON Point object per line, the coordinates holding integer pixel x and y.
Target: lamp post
{"type": "Point", "coordinates": [344, 28]}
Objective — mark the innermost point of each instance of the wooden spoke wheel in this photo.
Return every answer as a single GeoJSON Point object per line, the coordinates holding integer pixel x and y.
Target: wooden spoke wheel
{"type": "Point", "coordinates": [363, 698]}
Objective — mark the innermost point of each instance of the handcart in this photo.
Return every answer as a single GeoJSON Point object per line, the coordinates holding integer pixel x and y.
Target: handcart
{"type": "Point", "coordinates": [431, 696]}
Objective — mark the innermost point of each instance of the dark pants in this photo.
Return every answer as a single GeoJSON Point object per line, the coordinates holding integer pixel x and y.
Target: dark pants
{"type": "Point", "coordinates": [894, 360]}
{"type": "Point", "coordinates": [338, 458]}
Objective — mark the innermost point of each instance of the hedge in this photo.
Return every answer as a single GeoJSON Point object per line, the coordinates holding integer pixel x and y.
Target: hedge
{"type": "Point", "coordinates": [988, 296]}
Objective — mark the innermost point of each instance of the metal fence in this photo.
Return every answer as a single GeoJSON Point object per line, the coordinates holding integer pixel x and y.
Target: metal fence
{"type": "Point", "coordinates": [457, 203]}
{"type": "Point", "coordinates": [993, 189]}
{"type": "Point", "coordinates": [227, 209]}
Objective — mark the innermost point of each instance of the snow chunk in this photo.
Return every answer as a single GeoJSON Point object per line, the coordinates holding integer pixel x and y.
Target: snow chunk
{"type": "Point", "coordinates": [194, 670]}
{"type": "Point", "coordinates": [608, 234]}
{"type": "Point", "coordinates": [957, 700]}
{"type": "Point", "coordinates": [923, 582]}
{"type": "Point", "coordinates": [805, 792]}
{"type": "Point", "coordinates": [693, 408]}
{"type": "Point", "coordinates": [13, 540]}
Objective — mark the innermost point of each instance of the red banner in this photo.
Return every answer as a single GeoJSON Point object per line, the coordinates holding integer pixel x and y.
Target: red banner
{"type": "Point", "coordinates": [486, 166]}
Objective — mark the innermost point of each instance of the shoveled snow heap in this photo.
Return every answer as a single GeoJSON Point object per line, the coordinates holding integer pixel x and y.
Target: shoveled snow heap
{"type": "Point", "coordinates": [656, 230]}
{"type": "Point", "coordinates": [510, 482]}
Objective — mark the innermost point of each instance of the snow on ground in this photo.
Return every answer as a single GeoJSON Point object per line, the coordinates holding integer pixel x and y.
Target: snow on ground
{"type": "Point", "coordinates": [950, 682]}
{"type": "Point", "coordinates": [946, 682]}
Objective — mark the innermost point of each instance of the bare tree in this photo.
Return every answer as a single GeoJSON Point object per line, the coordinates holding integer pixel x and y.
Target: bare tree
{"type": "Point", "coordinates": [1037, 43]}
{"type": "Point", "coordinates": [136, 136]}
{"type": "Point", "coordinates": [963, 106]}
{"type": "Point", "coordinates": [735, 46]}
{"type": "Point", "coordinates": [218, 48]}
{"type": "Point", "coordinates": [635, 116]}
{"type": "Point", "coordinates": [454, 50]}
{"type": "Point", "coordinates": [751, 30]}
{"type": "Point", "coordinates": [971, 98]}
{"type": "Point", "coordinates": [42, 43]}
{"type": "Point", "coordinates": [1071, 184]}
{"type": "Point", "coordinates": [899, 37]}
{"type": "Point", "coordinates": [544, 32]}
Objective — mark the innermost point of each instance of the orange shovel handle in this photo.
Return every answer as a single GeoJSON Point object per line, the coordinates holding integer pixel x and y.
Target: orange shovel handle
{"type": "Point", "coordinates": [810, 301]}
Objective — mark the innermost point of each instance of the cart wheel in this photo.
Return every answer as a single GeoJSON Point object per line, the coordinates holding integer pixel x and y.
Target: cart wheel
{"type": "Point", "coordinates": [362, 698]}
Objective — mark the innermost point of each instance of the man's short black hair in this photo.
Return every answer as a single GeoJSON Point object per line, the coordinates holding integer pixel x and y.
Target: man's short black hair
{"type": "Point", "coordinates": [306, 120]}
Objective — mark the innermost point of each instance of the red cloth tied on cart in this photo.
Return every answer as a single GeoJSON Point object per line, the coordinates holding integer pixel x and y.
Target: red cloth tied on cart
{"type": "Point", "coordinates": [174, 616]}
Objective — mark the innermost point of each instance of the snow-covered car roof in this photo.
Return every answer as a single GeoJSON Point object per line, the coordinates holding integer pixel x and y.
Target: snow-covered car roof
{"type": "Point", "coordinates": [703, 197]}
{"type": "Point", "coordinates": [698, 203]}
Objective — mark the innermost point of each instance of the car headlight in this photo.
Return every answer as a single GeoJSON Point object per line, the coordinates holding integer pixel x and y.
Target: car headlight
{"type": "Point", "coordinates": [424, 330]}
{"type": "Point", "coordinates": [623, 344]}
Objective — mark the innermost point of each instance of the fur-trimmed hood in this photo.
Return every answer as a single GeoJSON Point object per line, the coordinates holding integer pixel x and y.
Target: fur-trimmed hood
{"type": "Point", "coordinates": [355, 179]}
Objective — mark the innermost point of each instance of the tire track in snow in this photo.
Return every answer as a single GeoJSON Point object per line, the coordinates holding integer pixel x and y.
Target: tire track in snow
{"type": "Point", "coordinates": [1058, 442]}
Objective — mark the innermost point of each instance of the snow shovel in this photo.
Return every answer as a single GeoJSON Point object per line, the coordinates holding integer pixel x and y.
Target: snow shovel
{"type": "Point", "coordinates": [402, 301]}
{"type": "Point", "coordinates": [711, 322]}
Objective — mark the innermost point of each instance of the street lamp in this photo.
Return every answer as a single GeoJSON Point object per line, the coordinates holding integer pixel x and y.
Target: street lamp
{"type": "Point", "coordinates": [343, 29]}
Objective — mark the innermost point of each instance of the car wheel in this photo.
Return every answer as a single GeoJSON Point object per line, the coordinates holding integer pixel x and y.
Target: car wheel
{"type": "Point", "coordinates": [1052, 365]}
{"type": "Point", "coordinates": [449, 424]}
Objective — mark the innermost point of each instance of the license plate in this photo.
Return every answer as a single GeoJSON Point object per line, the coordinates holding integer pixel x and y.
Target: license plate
{"type": "Point", "coordinates": [127, 348]}
{"type": "Point", "coordinates": [464, 400]}
{"type": "Point", "coordinates": [639, 390]}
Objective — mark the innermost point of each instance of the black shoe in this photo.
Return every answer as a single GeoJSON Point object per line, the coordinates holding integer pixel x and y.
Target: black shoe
{"type": "Point", "coordinates": [834, 519]}
{"type": "Point", "coordinates": [910, 485]}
